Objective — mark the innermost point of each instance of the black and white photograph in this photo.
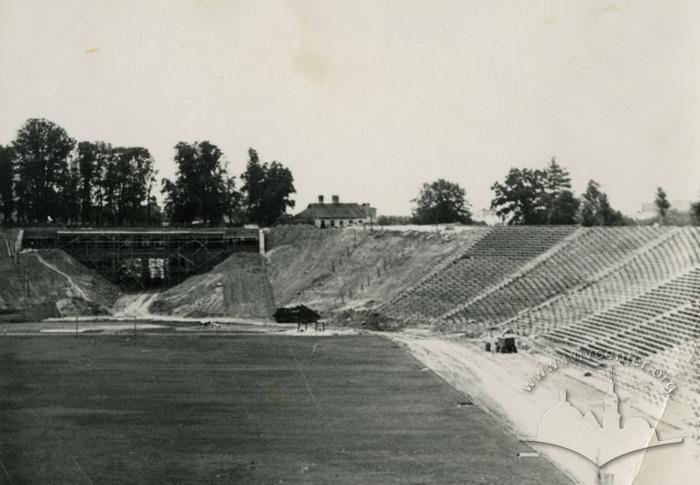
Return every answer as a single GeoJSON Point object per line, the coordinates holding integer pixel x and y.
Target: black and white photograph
{"type": "Point", "coordinates": [350, 242]}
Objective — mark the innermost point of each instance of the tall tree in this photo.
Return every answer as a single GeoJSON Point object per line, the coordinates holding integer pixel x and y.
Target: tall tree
{"type": "Point", "coordinates": [202, 189]}
{"type": "Point", "coordinates": [92, 159]}
{"type": "Point", "coordinates": [561, 204]}
{"type": "Point", "coordinates": [557, 178]}
{"type": "Point", "coordinates": [596, 210]}
{"type": "Point", "coordinates": [662, 203]}
{"type": "Point", "coordinates": [267, 189]}
{"type": "Point", "coordinates": [520, 199]}
{"type": "Point", "coordinates": [41, 149]}
{"type": "Point", "coordinates": [279, 185]}
{"type": "Point", "coordinates": [129, 173]}
{"type": "Point", "coordinates": [7, 176]}
{"type": "Point", "coordinates": [254, 187]}
{"type": "Point", "coordinates": [441, 202]}
{"type": "Point", "coordinates": [564, 208]}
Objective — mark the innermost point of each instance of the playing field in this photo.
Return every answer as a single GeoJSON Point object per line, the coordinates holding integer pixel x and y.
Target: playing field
{"type": "Point", "coordinates": [242, 409]}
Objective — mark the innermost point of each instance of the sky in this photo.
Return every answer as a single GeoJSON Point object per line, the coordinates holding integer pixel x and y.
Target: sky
{"type": "Point", "coordinates": [370, 99]}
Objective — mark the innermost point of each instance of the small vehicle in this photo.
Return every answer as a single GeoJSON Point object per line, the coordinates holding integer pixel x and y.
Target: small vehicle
{"type": "Point", "coordinates": [506, 345]}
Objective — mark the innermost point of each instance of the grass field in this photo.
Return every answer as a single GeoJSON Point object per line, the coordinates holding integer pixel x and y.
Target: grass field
{"type": "Point", "coordinates": [242, 409]}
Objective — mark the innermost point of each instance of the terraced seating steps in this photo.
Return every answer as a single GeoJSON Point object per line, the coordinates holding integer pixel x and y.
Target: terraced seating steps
{"type": "Point", "coordinates": [575, 263]}
{"type": "Point", "coordinates": [660, 260]}
{"type": "Point", "coordinates": [496, 255]}
{"type": "Point", "coordinates": [657, 321]}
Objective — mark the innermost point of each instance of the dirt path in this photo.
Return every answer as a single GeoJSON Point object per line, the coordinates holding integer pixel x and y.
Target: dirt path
{"type": "Point", "coordinates": [77, 288]}
{"type": "Point", "coordinates": [495, 382]}
{"type": "Point", "coordinates": [134, 305]}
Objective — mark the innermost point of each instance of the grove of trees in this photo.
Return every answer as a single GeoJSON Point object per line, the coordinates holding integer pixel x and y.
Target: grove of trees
{"type": "Point", "coordinates": [528, 196]}
{"type": "Point", "coordinates": [203, 190]}
{"type": "Point", "coordinates": [46, 176]}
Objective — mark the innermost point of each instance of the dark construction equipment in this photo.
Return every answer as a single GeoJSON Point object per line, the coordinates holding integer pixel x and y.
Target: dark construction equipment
{"type": "Point", "coordinates": [296, 314]}
{"type": "Point", "coordinates": [506, 345]}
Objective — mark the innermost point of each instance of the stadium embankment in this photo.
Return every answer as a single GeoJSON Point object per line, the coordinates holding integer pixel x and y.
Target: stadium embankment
{"type": "Point", "coordinates": [339, 270]}
{"type": "Point", "coordinates": [336, 272]}
{"type": "Point", "coordinates": [529, 279]}
{"type": "Point", "coordinates": [44, 283]}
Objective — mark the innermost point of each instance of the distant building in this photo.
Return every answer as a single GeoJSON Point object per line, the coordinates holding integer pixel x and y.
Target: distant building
{"type": "Point", "coordinates": [649, 209]}
{"type": "Point", "coordinates": [487, 216]}
{"type": "Point", "coordinates": [679, 205]}
{"type": "Point", "coordinates": [337, 214]}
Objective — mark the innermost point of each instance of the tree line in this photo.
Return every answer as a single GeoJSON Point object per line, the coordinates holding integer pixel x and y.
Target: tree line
{"type": "Point", "coordinates": [529, 196]}
{"type": "Point", "coordinates": [46, 176]}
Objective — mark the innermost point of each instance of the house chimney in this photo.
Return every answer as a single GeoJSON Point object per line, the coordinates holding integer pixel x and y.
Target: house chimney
{"type": "Point", "coordinates": [320, 199]}
{"type": "Point", "coordinates": [336, 199]}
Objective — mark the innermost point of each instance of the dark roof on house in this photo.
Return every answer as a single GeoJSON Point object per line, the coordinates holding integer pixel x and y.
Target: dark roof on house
{"type": "Point", "coordinates": [344, 210]}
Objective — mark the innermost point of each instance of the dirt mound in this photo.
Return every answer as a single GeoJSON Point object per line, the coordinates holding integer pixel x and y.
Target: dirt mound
{"type": "Point", "coordinates": [34, 282]}
{"type": "Point", "coordinates": [237, 287]}
{"type": "Point", "coordinates": [73, 307]}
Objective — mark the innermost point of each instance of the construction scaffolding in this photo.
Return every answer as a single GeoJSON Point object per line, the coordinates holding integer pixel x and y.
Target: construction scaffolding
{"type": "Point", "coordinates": [136, 259]}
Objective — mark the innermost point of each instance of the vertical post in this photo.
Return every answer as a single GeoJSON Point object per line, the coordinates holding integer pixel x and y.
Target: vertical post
{"type": "Point", "coordinates": [261, 241]}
